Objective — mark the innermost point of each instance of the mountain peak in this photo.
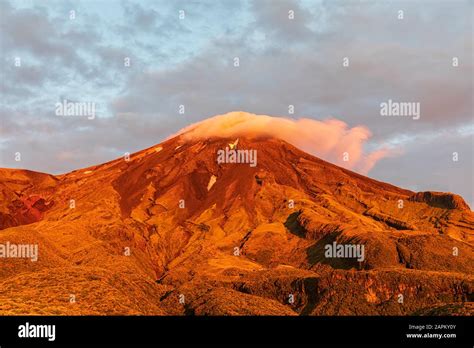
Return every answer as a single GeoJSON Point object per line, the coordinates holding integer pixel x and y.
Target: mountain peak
{"type": "Point", "coordinates": [329, 139]}
{"type": "Point", "coordinates": [234, 234]}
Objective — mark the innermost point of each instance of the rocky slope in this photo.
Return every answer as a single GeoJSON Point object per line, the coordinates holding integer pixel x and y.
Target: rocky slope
{"type": "Point", "coordinates": [173, 232]}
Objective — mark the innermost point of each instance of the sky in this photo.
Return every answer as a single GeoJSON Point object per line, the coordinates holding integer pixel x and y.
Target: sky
{"type": "Point", "coordinates": [333, 61]}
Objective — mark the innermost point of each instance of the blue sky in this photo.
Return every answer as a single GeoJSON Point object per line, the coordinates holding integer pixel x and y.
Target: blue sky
{"type": "Point", "coordinates": [190, 62]}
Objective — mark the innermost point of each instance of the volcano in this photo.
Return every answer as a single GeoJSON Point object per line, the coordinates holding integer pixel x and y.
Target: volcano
{"type": "Point", "coordinates": [171, 230]}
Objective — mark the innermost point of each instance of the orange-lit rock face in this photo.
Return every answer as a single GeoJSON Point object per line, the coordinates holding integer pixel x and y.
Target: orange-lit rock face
{"type": "Point", "coordinates": [174, 232]}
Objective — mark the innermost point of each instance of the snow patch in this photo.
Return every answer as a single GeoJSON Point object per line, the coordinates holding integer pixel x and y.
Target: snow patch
{"type": "Point", "coordinates": [233, 145]}
{"type": "Point", "coordinates": [212, 181]}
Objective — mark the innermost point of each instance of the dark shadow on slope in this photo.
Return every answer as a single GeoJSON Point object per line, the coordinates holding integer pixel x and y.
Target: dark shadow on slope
{"type": "Point", "coordinates": [316, 254]}
{"type": "Point", "coordinates": [294, 226]}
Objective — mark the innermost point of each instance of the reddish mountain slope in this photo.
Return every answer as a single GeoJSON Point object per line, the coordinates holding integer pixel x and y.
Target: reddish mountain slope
{"type": "Point", "coordinates": [174, 232]}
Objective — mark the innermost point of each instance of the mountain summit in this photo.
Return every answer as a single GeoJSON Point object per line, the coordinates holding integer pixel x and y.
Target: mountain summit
{"type": "Point", "coordinates": [219, 222]}
{"type": "Point", "coordinates": [330, 139]}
